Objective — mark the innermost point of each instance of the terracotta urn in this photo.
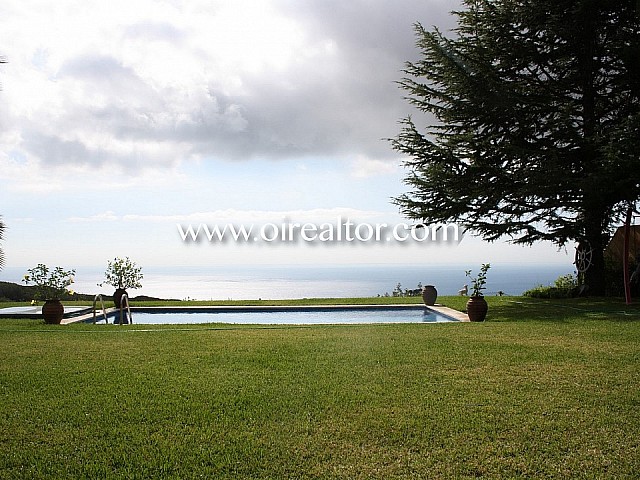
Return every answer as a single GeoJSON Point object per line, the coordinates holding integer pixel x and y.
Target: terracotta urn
{"type": "Point", "coordinates": [477, 308]}
{"type": "Point", "coordinates": [429, 295]}
{"type": "Point", "coordinates": [52, 311]}
{"type": "Point", "coordinates": [117, 296]}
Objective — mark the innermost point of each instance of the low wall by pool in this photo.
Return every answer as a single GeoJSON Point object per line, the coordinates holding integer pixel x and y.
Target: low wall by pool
{"type": "Point", "coordinates": [36, 312]}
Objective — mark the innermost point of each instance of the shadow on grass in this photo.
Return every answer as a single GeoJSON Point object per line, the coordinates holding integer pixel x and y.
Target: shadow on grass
{"type": "Point", "coordinates": [562, 310]}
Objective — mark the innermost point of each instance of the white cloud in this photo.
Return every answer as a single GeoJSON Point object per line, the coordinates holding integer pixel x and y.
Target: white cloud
{"type": "Point", "coordinates": [135, 116]}
{"type": "Point", "coordinates": [363, 167]}
{"type": "Point", "coordinates": [260, 216]}
{"type": "Point", "coordinates": [108, 216]}
{"type": "Point", "coordinates": [232, 215]}
{"type": "Point", "coordinates": [150, 84]}
{"type": "Point", "coordinates": [21, 175]}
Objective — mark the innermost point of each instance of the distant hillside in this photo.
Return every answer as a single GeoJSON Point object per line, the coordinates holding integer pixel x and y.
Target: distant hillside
{"type": "Point", "coordinates": [16, 293]}
{"type": "Point", "coordinates": [13, 292]}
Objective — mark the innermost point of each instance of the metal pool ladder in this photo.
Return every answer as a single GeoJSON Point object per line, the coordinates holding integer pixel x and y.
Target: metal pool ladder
{"type": "Point", "coordinates": [104, 310]}
{"type": "Point", "coordinates": [123, 300]}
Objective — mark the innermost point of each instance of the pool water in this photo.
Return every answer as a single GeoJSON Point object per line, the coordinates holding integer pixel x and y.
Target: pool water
{"type": "Point", "coordinates": [295, 317]}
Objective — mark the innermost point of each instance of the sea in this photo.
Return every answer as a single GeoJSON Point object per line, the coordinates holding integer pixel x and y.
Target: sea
{"type": "Point", "coordinates": [275, 282]}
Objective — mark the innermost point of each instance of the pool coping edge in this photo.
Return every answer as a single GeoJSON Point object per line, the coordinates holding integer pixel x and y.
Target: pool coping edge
{"type": "Point", "coordinates": [446, 311]}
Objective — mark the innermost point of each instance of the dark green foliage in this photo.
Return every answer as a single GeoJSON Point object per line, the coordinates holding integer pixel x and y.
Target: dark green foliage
{"type": "Point", "coordinates": [615, 279]}
{"type": "Point", "coordinates": [565, 286]}
{"type": "Point", "coordinates": [534, 122]}
{"type": "Point", "coordinates": [25, 293]}
{"type": "Point", "coordinates": [17, 293]}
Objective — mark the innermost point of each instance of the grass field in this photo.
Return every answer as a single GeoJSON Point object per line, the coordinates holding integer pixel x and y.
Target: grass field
{"type": "Point", "coordinates": [542, 389]}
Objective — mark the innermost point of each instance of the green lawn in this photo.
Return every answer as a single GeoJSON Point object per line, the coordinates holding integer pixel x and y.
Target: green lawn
{"type": "Point", "coordinates": [542, 389]}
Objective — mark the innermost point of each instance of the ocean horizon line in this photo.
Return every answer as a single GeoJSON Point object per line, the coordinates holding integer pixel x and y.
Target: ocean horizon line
{"type": "Point", "coordinates": [275, 282]}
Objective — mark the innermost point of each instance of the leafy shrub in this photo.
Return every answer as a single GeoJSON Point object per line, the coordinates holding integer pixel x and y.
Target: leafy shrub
{"type": "Point", "coordinates": [478, 284]}
{"type": "Point", "coordinates": [614, 279]}
{"type": "Point", "coordinates": [565, 286]}
{"type": "Point", "coordinates": [50, 284]}
{"type": "Point", "coordinates": [123, 273]}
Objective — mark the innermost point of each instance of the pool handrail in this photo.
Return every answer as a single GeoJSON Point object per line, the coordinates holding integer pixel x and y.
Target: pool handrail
{"type": "Point", "coordinates": [123, 300]}
{"type": "Point", "coordinates": [104, 310]}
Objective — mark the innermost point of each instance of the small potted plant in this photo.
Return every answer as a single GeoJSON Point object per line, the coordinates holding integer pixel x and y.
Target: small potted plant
{"type": "Point", "coordinates": [476, 305]}
{"type": "Point", "coordinates": [50, 286]}
{"type": "Point", "coordinates": [122, 274]}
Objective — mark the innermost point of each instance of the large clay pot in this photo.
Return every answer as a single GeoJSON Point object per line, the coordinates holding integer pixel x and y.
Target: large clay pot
{"type": "Point", "coordinates": [429, 295]}
{"type": "Point", "coordinates": [117, 296]}
{"type": "Point", "coordinates": [52, 311]}
{"type": "Point", "coordinates": [477, 309]}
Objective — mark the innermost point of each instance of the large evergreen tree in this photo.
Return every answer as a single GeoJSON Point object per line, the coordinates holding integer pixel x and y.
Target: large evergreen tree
{"type": "Point", "coordinates": [533, 113]}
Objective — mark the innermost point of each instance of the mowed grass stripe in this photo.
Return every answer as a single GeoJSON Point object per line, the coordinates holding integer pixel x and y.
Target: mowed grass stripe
{"type": "Point", "coordinates": [535, 397]}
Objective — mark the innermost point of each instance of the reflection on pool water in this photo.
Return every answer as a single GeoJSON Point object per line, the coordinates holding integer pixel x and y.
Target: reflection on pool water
{"type": "Point", "coordinates": [295, 317]}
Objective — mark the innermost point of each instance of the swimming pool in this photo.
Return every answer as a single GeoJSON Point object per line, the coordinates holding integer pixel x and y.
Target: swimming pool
{"type": "Point", "coordinates": [290, 315]}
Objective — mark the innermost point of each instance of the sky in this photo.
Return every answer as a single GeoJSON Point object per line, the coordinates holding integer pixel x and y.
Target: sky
{"type": "Point", "coordinates": [120, 121]}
